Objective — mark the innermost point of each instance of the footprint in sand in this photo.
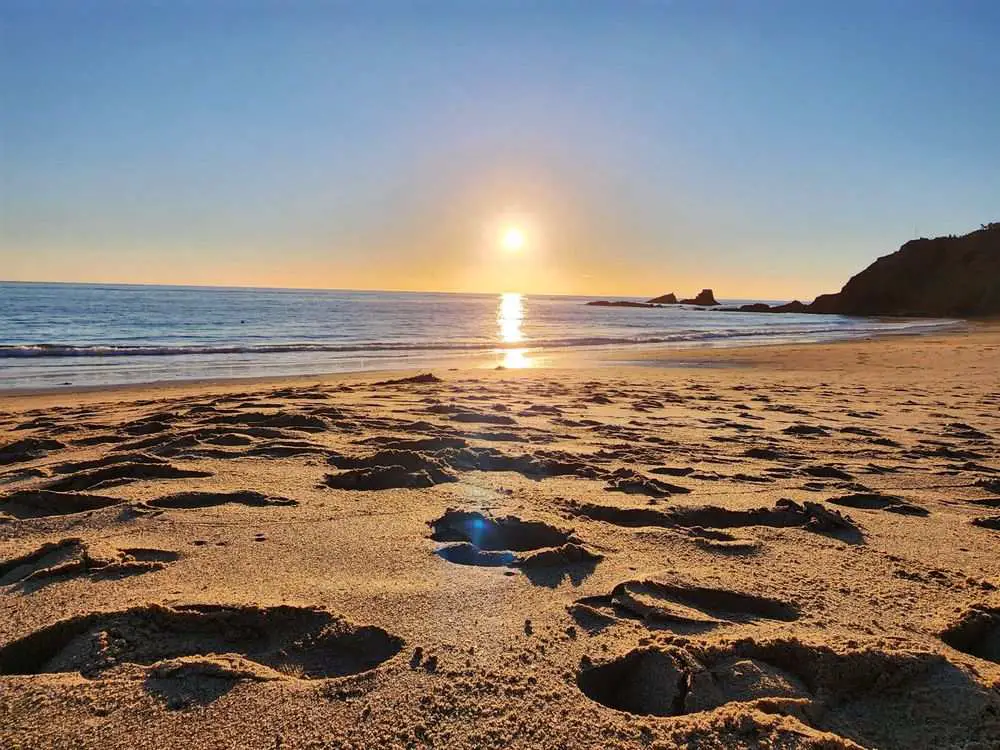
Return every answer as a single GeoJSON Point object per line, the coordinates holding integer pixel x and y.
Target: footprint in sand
{"type": "Point", "coordinates": [277, 419]}
{"type": "Point", "coordinates": [28, 449]}
{"type": "Point", "coordinates": [123, 473]}
{"type": "Point", "coordinates": [396, 468]}
{"type": "Point", "coordinates": [867, 695]}
{"type": "Point", "coordinates": [987, 522]}
{"type": "Point", "coordinates": [473, 538]}
{"type": "Point", "coordinates": [196, 652]}
{"type": "Point", "coordinates": [976, 632]}
{"type": "Point", "coordinates": [878, 501]}
{"type": "Point", "coordinates": [633, 483]}
{"type": "Point", "coordinates": [659, 604]}
{"type": "Point", "coordinates": [785, 513]}
{"type": "Point", "coordinates": [74, 558]}
{"type": "Point", "coordinates": [44, 503]}
{"type": "Point", "coordinates": [388, 469]}
{"type": "Point", "coordinates": [212, 499]}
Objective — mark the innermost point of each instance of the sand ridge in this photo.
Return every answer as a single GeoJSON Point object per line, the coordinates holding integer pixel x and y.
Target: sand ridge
{"type": "Point", "coordinates": [758, 554]}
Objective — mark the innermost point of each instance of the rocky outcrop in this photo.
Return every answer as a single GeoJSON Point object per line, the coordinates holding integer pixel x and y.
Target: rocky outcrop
{"type": "Point", "coordinates": [705, 298]}
{"type": "Point", "coordinates": [941, 277]}
{"type": "Point", "coordinates": [663, 299]}
{"type": "Point", "coordinates": [789, 307]}
{"type": "Point", "coordinates": [619, 303]}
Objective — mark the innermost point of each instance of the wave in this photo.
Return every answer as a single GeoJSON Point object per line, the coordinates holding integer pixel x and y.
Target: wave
{"type": "Point", "coordinates": [44, 350]}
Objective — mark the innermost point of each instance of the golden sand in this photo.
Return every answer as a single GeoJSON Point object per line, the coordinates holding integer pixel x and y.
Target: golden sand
{"type": "Point", "coordinates": [769, 547]}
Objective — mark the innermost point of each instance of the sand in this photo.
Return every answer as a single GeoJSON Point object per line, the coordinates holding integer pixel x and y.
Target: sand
{"type": "Point", "coordinates": [789, 547]}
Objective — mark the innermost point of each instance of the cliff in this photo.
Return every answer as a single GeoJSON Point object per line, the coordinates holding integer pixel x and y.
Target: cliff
{"type": "Point", "coordinates": [941, 277]}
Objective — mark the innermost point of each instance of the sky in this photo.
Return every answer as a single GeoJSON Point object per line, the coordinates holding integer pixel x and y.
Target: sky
{"type": "Point", "coordinates": [766, 149]}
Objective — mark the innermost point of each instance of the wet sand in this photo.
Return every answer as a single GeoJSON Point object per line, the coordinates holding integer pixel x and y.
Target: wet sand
{"type": "Point", "coordinates": [789, 546]}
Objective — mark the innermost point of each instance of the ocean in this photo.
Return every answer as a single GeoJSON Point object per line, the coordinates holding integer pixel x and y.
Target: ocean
{"type": "Point", "coordinates": [95, 334]}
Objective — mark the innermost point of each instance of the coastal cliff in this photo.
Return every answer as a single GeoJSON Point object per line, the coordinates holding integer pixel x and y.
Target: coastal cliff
{"type": "Point", "coordinates": [944, 277]}
{"type": "Point", "coordinates": [940, 277]}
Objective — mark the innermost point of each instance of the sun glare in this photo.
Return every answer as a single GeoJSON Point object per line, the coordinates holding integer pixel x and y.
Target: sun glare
{"type": "Point", "coordinates": [510, 316]}
{"type": "Point", "coordinates": [513, 239]}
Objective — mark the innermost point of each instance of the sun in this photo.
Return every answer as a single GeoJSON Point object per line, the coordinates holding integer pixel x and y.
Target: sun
{"type": "Point", "coordinates": [513, 239]}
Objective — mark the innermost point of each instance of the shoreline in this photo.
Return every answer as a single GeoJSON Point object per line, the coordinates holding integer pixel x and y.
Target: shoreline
{"type": "Point", "coordinates": [639, 354]}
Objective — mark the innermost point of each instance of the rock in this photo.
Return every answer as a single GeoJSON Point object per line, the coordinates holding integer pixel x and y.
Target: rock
{"type": "Point", "coordinates": [705, 298]}
{"type": "Point", "coordinates": [619, 303]}
{"type": "Point", "coordinates": [942, 277]}
{"type": "Point", "coordinates": [663, 299]}
{"type": "Point", "coordinates": [789, 307]}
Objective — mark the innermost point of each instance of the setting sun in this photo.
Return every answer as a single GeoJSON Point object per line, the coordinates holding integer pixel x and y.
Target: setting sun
{"type": "Point", "coordinates": [513, 239]}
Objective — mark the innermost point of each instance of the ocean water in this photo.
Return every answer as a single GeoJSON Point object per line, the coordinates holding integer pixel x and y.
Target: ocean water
{"type": "Point", "coordinates": [90, 334]}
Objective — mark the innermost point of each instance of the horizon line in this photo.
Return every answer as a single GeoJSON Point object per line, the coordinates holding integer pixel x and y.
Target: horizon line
{"type": "Point", "coordinates": [345, 289]}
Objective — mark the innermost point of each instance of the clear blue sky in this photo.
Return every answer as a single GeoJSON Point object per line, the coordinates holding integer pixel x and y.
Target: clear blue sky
{"type": "Point", "coordinates": [767, 149]}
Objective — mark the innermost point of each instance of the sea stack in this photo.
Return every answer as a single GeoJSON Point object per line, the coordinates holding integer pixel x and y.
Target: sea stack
{"type": "Point", "coordinates": [705, 298]}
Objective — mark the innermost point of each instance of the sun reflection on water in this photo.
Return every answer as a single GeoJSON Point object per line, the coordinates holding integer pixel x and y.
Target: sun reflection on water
{"type": "Point", "coordinates": [510, 316]}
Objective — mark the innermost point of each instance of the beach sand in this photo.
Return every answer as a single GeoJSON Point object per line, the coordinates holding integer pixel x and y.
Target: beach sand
{"type": "Point", "coordinates": [791, 546]}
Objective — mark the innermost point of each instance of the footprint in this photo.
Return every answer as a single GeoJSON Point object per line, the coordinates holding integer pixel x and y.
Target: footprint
{"type": "Point", "coordinates": [74, 558]}
{"type": "Point", "coordinates": [659, 604]}
{"type": "Point", "coordinates": [976, 632]}
{"type": "Point", "coordinates": [211, 499]}
{"type": "Point", "coordinates": [988, 484]}
{"type": "Point", "coordinates": [477, 539]}
{"type": "Point", "coordinates": [437, 443]}
{"type": "Point", "coordinates": [826, 472]}
{"type": "Point", "coordinates": [175, 647]}
{"type": "Point", "coordinates": [116, 474]}
{"type": "Point", "coordinates": [985, 502]}
{"type": "Point", "coordinates": [805, 430]}
{"type": "Point", "coordinates": [27, 449]}
{"type": "Point", "coordinates": [866, 695]}
{"type": "Point", "coordinates": [785, 513]}
{"type": "Point", "coordinates": [877, 501]}
{"type": "Point", "coordinates": [72, 467]}
{"type": "Point", "coordinates": [634, 483]}
{"type": "Point", "coordinates": [279, 419]}
{"type": "Point", "coordinates": [987, 522]}
{"type": "Point", "coordinates": [44, 503]}
{"type": "Point", "coordinates": [482, 417]}
{"type": "Point", "coordinates": [388, 469]}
